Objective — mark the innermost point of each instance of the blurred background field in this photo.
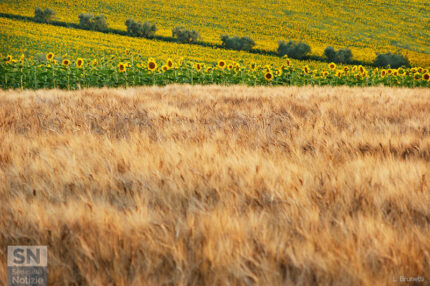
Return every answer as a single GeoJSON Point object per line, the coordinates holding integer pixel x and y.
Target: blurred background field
{"type": "Point", "coordinates": [366, 27]}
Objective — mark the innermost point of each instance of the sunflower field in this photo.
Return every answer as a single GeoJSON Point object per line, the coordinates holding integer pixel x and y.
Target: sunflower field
{"type": "Point", "coordinates": [366, 27]}
{"type": "Point", "coordinates": [136, 70]}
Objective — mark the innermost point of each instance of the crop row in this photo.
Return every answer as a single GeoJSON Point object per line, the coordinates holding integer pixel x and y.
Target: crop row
{"type": "Point", "coordinates": [134, 70]}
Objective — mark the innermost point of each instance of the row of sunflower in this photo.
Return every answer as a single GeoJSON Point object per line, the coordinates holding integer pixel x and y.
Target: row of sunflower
{"type": "Point", "coordinates": [62, 72]}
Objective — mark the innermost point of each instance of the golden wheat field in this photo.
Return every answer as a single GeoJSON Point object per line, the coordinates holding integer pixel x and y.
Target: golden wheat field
{"type": "Point", "coordinates": [192, 185]}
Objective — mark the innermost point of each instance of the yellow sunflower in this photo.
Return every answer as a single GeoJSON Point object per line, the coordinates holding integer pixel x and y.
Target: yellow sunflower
{"type": "Point", "coordinates": [79, 62]}
{"type": "Point", "coordinates": [229, 66]}
{"type": "Point", "coordinates": [66, 62]}
{"type": "Point", "coordinates": [332, 66]}
{"type": "Point", "coordinates": [288, 62]}
{"type": "Point", "coordinates": [9, 58]}
{"type": "Point", "coordinates": [94, 62]}
{"type": "Point", "coordinates": [121, 67]}
{"type": "Point", "coordinates": [361, 69]}
{"type": "Point", "coordinates": [198, 67]}
{"type": "Point", "coordinates": [345, 69]}
{"type": "Point", "coordinates": [169, 63]}
{"type": "Point", "coordinates": [417, 76]}
{"type": "Point", "coordinates": [252, 66]}
{"type": "Point", "coordinates": [221, 64]}
{"type": "Point", "coordinates": [389, 71]}
{"type": "Point", "coordinates": [268, 76]}
{"type": "Point", "coordinates": [164, 68]}
{"type": "Point", "coordinates": [426, 77]}
{"type": "Point", "coordinates": [338, 73]}
{"type": "Point", "coordinates": [383, 73]}
{"type": "Point", "coordinates": [306, 70]}
{"type": "Point", "coordinates": [152, 65]}
{"type": "Point", "coordinates": [420, 69]}
{"type": "Point", "coordinates": [49, 56]}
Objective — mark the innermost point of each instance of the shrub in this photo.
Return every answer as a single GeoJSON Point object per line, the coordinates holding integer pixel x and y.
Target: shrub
{"type": "Point", "coordinates": [330, 53]}
{"type": "Point", "coordinates": [293, 50]}
{"type": "Point", "coordinates": [236, 43]}
{"type": "Point", "coordinates": [340, 56]}
{"type": "Point", "coordinates": [185, 36]}
{"type": "Point", "coordinates": [137, 29]}
{"type": "Point", "coordinates": [90, 22]}
{"type": "Point", "coordinates": [392, 60]}
{"type": "Point", "coordinates": [44, 16]}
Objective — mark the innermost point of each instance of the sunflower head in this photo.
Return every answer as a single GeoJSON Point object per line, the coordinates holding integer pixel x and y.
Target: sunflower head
{"type": "Point", "coordinates": [332, 66]}
{"type": "Point", "coordinates": [49, 56]}
{"type": "Point", "coordinates": [169, 63]}
{"type": "Point", "coordinates": [152, 65]}
{"type": "Point", "coordinates": [395, 73]}
{"type": "Point", "coordinates": [361, 69]}
{"type": "Point", "coordinates": [325, 74]}
{"type": "Point", "coordinates": [9, 58]}
{"type": "Point", "coordinates": [288, 62]}
{"type": "Point", "coordinates": [54, 62]}
{"type": "Point", "coordinates": [164, 68]}
{"type": "Point", "coordinates": [339, 73]}
{"type": "Point", "coordinates": [417, 76]}
{"type": "Point", "coordinates": [389, 71]}
{"type": "Point", "coordinates": [79, 62]}
{"type": "Point", "coordinates": [198, 67]}
{"type": "Point", "coordinates": [221, 64]}
{"type": "Point", "coordinates": [426, 76]}
{"type": "Point", "coordinates": [345, 69]}
{"type": "Point", "coordinates": [94, 62]}
{"type": "Point", "coordinates": [420, 69]}
{"type": "Point", "coordinates": [383, 73]}
{"type": "Point", "coordinates": [229, 66]}
{"type": "Point", "coordinates": [268, 76]}
{"type": "Point", "coordinates": [400, 71]}
{"type": "Point", "coordinates": [306, 70]}
{"type": "Point", "coordinates": [121, 67]}
{"type": "Point", "coordinates": [66, 62]}
{"type": "Point", "coordinates": [413, 70]}
{"type": "Point", "coordinates": [252, 66]}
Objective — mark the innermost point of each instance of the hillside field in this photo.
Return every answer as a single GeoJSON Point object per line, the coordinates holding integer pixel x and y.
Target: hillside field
{"type": "Point", "coordinates": [214, 185]}
{"type": "Point", "coordinates": [367, 27]}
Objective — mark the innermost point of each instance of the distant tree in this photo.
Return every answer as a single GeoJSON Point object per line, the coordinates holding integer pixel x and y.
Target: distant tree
{"type": "Point", "coordinates": [236, 43]}
{"type": "Point", "coordinates": [44, 16]}
{"type": "Point", "coordinates": [340, 56]}
{"type": "Point", "coordinates": [330, 53]}
{"type": "Point", "coordinates": [90, 22]}
{"type": "Point", "coordinates": [392, 60]}
{"type": "Point", "coordinates": [138, 29]}
{"type": "Point", "coordinates": [184, 35]}
{"type": "Point", "coordinates": [293, 50]}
